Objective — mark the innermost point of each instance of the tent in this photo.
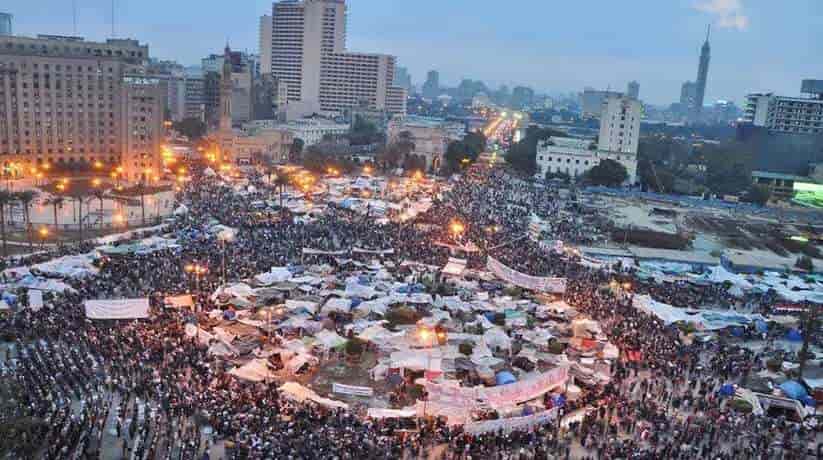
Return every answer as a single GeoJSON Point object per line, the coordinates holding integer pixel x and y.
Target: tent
{"type": "Point", "coordinates": [117, 309]}
{"type": "Point", "coordinates": [794, 335]}
{"type": "Point", "coordinates": [504, 378]}
{"type": "Point", "coordinates": [727, 390]}
{"type": "Point", "coordinates": [299, 393]}
{"type": "Point", "coordinates": [256, 370]}
{"type": "Point", "coordinates": [794, 390]}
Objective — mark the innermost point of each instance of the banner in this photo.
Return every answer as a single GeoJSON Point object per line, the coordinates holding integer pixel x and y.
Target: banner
{"type": "Point", "coordinates": [35, 299]}
{"type": "Point", "coordinates": [180, 301]}
{"type": "Point", "coordinates": [317, 252]}
{"type": "Point", "coordinates": [535, 283]}
{"type": "Point", "coordinates": [507, 425]}
{"type": "Point", "coordinates": [351, 390]}
{"type": "Point", "coordinates": [380, 252]}
{"type": "Point", "coordinates": [117, 309]}
{"type": "Point", "coordinates": [525, 390]}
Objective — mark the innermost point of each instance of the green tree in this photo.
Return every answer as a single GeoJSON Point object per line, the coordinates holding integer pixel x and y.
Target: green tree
{"type": "Point", "coordinates": [758, 194]}
{"type": "Point", "coordinates": [804, 263]}
{"type": "Point", "coordinates": [522, 156]}
{"type": "Point", "coordinates": [608, 173]}
{"type": "Point", "coordinates": [6, 199]}
{"type": "Point", "coordinates": [393, 154]}
{"type": "Point", "coordinates": [192, 128]}
{"type": "Point", "coordinates": [25, 198]}
{"type": "Point", "coordinates": [55, 201]}
{"type": "Point", "coordinates": [363, 132]}
{"type": "Point", "coordinates": [296, 149]}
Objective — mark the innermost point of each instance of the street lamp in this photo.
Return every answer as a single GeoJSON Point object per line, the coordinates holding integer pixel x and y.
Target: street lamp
{"type": "Point", "coordinates": [225, 237]}
{"type": "Point", "coordinates": [44, 233]}
{"type": "Point", "coordinates": [457, 228]}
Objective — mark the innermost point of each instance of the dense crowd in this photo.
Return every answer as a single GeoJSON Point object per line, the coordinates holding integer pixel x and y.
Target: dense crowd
{"type": "Point", "coordinates": [157, 387]}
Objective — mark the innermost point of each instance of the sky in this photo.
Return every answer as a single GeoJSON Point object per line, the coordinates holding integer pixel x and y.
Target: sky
{"type": "Point", "coordinates": [551, 45]}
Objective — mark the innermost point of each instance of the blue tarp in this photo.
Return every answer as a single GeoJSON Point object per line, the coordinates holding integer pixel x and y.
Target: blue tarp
{"type": "Point", "coordinates": [794, 336]}
{"type": "Point", "coordinates": [737, 331]}
{"type": "Point", "coordinates": [559, 401]}
{"type": "Point", "coordinates": [504, 378]}
{"type": "Point", "coordinates": [727, 390]}
{"type": "Point", "coordinates": [794, 390]}
{"type": "Point", "coordinates": [761, 325]}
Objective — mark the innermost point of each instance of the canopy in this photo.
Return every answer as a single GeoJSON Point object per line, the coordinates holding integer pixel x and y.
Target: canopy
{"type": "Point", "coordinates": [794, 390]}
{"type": "Point", "coordinates": [256, 370]}
{"type": "Point", "coordinates": [117, 309]}
{"type": "Point", "coordinates": [299, 393]}
{"type": "Point", "coordinates": [794, 335]}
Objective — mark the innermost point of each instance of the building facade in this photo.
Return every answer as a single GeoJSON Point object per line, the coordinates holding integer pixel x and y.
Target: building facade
{"type": "Point", "coordinates": [618, 141]}
{"type": "Point", "coordinates": [620, 125]}
{"type": "Point", "coordinates": [799, 115]}
{"type": "Point", "coordinates": [265, 45]}
{"type": "Point", "coordinates": [591, 101]}
{"type": "Point", "coordinates": [5, 24]}
{"type": "Point", "coordinates": [309, 58]}
{"type": "Point", "coordinates": [67, 101]}
{"type": "Point", "coordinates": [633, 90]}
{"type": "Point", "coordinates": [431, 88]}
{"type": "Point", "coordinates": [702, 79]}
{"type": "Point", "coordinates": [310, 131]}
{"type": "Point", "coordinates": [430, 136]}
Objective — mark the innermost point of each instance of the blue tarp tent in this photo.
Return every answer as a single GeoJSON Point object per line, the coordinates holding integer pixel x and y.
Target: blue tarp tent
{"type": "Point", "coordinates": [761, 325]}
{"type": "Point", "coordinates": [559, 401]}
{"type": "Point", "coordinates": [727, 390]}
{"type": "Point", "coordinates": [794, 390]}
{"type": "Point", "coordinates": [794, 336]}
{"type": "Point", "coordinates": [737, 331]}
{"type": "Point", "coordinates": [504, 378]}
{"type": "Point", "coordinates": [809, 401]}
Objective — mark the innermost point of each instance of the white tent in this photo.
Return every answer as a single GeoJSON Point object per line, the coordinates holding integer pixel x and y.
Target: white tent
{"type": "Point", "coordinates": [337, 304]}
{"type": "Point", "coordinates": [329, 339]}
{"type": "Point", "coordinates": [117, 309]}
{"type": "Point", "coordinates": [256, 370]}
{"type": "Point", "coordinates": [299, 393]}
{"type": "Point", "coordinates": [276, 275]}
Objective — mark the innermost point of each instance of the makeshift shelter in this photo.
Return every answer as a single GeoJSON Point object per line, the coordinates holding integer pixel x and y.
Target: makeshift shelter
{"type": "Point", "coordinates": [256, 370]}
{"type": "Point", "coordinates": [299, 393]}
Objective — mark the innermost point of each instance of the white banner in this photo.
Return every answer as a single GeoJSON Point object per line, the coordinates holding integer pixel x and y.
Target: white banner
{"type": "Point", "coordinates": [318, 252]}
{"type": "Point", "coordinates": [351, 390]}
{"type": "Point", "coordinates": [535, 283]}
{"type": "Point", "coordinates": [35, 299]}
{"type": "Point", "coordinates": [507, 425]}
{"type": "Point", "coordinates": [117, 309]}
{"type": "Point", "coordinates": [370, 251]}
{"type": "Point", "coordinates": [525, 390]}
{"type": "Point", "coordinates": [180, 301]}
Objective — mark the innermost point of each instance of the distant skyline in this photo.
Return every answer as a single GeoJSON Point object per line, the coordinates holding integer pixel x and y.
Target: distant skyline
{"type": "Point", "coordinates": [757, 45]}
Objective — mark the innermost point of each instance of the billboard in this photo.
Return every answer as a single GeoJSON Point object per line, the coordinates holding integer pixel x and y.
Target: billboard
{"type": "Point", "coordinates": [808, 194]}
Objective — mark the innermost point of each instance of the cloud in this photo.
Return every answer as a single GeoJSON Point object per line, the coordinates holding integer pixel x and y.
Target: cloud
{"type": "Point", "coordinates": [728, 13]}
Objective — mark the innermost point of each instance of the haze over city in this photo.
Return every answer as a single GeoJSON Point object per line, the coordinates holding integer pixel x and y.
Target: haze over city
{"type": "Point", "coordinates": [556, 47]}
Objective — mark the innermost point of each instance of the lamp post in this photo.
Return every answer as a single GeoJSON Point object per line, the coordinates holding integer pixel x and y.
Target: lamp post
{"type": "Point", "coordinates": [224, 237]}
{"type": "Point", "coordinates": [44, 233]}
{"type": "Point", "coordinates": [197, 270]}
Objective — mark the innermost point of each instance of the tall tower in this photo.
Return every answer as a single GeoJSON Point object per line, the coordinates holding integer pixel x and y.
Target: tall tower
{"type": "Point", "coordinates": [225, 92]}
{"type": "Point", "coordinates": [702, 76]}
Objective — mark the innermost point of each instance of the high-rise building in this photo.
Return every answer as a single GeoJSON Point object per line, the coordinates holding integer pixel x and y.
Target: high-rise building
{"type": "Point", "coordinates": [5, 24]}
{"type": "Point", "coordinates": [265, 44]}
{"type": "Point", "coordinates": [522, 97]}
{"type": "Point", "coordinates": [799, 115]}
{"type": "Point", "coordinates": [633, 90]}
{"type": "Point", "coordinates": [67, 101]}
{"type": "Point", "coordinates": [431, 88]}
{"type": "Point", "coordinates": [402, 79]}
{"type": "Point", "coordinates": [620, 125]}
{"type": "Point", "coordinates": [702, 77]}
{"type": "Point", "coordinates": [591, 101]}
{"type": "Point", "coordinates": [309, 57]}
{"type": "Point", "coordinates": [243, 71]}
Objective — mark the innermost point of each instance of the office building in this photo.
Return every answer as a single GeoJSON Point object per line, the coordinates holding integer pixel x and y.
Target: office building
{"type": "Point", "coordinates": [309, 57]}
{"type": "Point", "coordinates": [431, 88]}
{"type": "Point", "coordinates": [522, 97]}
{"type": "Point", "coordinates": [800, 115]}
{"type": "Point", "coordinates": [618, 140]}
{"type": "Point", "coordinates": [67, 101]}
{"type": "Point", "coordinates": [591, 101]}
{"type": "Point", "coordinates": [243, 73]}
{"type": "Point", "coordinates": [620, 125]}
{"type": "Point", "coordinates": [633, 90]}
{"type": "Point", "coordinates": [5, 24]}
{"type": "Point", "coordinates": [687, 96]}
{"type": "Point", "coordinates": [265, 44]}
{"type": "Point", "coordinates": [402, 79]}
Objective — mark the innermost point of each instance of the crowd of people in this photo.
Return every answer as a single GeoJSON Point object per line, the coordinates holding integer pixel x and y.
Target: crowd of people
{"type": "Point", "coordinates": [70, 381]}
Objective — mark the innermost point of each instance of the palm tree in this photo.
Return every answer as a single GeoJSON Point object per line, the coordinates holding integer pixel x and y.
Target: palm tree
{"type": "Point", "coordinates": [281, 181]}
{"type": "Point", "coordinates": [6, 199]}
{"type": "Point", "coordinates": [56, 201]}
{"type": "Point", "coordinates": [25, 198]}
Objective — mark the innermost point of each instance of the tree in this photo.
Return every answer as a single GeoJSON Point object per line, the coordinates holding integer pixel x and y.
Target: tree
{"type": "Point", "coordinates": [804, 263]}
{"type": "Point", "coordinates": [6, 199]}
{"type": "Point", "coordinates": [456, 153]}
{"type": "Point", "coordinates": [608, 173]}
{"type": "Point", "coordinates": [476, 142]}
{"type": "Point", "coordinates": [56, 201]}
{"type": "Point", "coordinates": [296, 149]}
{"type": "Point", "coordinates": [192, 128]}
{"type": "Point", "coordinates": [363, 132]}
{"type": "Point", "coordinates": [393, 154]}
{"type": "Point", "coordinates": [522, 156]}
{"type": "Point", "coordinates": [414, 163]}
{"type": "Point", "coordinates": [281, 182]}
{"type": "Point", "coordinates": [25, 198]}
{"type": "Point", "coordinates": [758, 194]}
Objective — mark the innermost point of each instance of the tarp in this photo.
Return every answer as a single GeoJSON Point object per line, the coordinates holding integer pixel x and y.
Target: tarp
{"type": "Point", "coordinates": [299, 393]}
{"type": "Point", "coordinates": [535, 283]}
{"type": "Point", "coordinates": [504, 378]}
{"type": "Point", "coordinates": [704, 319]}
{"type": "Point", "coordinates": [794, 390]}
{"type": "Point", "coordinates": [256, 370]}
{"type": "Point", "coordinates": [525, 390]}
{"type": "Point", "coordinates": [455, 267]}
{"type": "Point", "coordinates": [276, 275]}
{"type": "Point", "coordinates": [329, 339]}
{"type": "Point", "coordinates": [180, 301]}
{"type": "Point", "coordinates": [117, 309]}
